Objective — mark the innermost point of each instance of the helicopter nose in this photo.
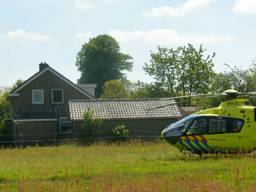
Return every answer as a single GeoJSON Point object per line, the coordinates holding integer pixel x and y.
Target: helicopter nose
{"type": "Point", "coordinates": [163, 134]}
{"type": "Point", "coordinates": [170, 139]}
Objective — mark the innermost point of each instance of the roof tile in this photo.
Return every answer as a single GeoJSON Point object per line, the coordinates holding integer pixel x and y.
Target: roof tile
{"type": "Point", "coordinates": [125, 109]}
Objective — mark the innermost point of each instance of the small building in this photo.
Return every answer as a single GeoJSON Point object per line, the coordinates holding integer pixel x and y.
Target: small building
{"type": "Point", "coordinates": [143, 117]}
{"type": "Point", "coordinates": [39, 107]}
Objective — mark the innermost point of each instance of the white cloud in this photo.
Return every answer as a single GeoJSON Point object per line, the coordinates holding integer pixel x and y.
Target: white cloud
{"type": "Point", "coordinates": [84, 37]}
{"type": "Point", "coordinates": [183, 9]}
{"type": "Point", "coordinates": [166, 36]}
{"type": "Point", "coordinates": [82, 5]}
{"type": "Point", "coordinates": [245, 6]}
{"type": "Point", "coordinates": [21, 35]}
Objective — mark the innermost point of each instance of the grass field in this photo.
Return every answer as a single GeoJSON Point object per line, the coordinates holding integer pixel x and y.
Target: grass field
{"type": "Point", "coordinates": [132, 166]}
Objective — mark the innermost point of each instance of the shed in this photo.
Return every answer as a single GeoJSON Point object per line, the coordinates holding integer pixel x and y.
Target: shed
{"type": "Point", "coordinates": [143, 117]}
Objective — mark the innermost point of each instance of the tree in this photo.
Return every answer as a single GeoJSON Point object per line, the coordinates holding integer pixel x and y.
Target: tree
{"type": "Point", "coordinates": [163, 67]}
{"type": "Point", "coordinates": [115, 89]}
{"type": "Point", "coordinates": [195, 70]}
{"type": "Point", "coordinates": [221, 82]}
{"type": "Point", "coordinates": [251, 78]}
{"type": "Point", "coordinates": [89, 125]}
{"type": "Point", "coordinates": [238, 78]}
{"type": "Point", "coordinates": [5, 108]}
{"type": "Point", "coordinates": [100, 60]}
{"type": "Point", "coordinates": [181, 71]}
{"type": "Point", "coordinates": [145, 90]}
{"type": "Point", "coordinates": [242, 80]}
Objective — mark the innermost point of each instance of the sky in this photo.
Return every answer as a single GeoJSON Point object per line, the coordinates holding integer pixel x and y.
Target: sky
{"type": "Point", "coordinates": [34, 31]}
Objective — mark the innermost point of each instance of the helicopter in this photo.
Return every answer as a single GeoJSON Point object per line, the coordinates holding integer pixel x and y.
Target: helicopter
{"type": "Point", "coordinates": [228, 128]}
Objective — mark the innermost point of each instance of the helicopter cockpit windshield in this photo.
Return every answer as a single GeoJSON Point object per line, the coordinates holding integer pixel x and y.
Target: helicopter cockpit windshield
{"type": "Point", "coordinates": [178, 128]}
{"type": "Point", "coordinates": [198, 126]}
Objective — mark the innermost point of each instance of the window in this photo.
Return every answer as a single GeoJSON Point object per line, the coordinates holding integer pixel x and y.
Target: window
{"type": "Point", "coordinates": [57, 96]}
{"type": "Point", "coordinates": [225, 125]}
{"type": "Point", "coordinates": [214, 125]}
{"type": "Point", "coordinates": [65, 125]}
{"type": "Point", "coordinates": [198, 126]}
{"type": "Point", "coordinates": [217, 125]}
{"type": "Point", "coordinates": [37, 96]}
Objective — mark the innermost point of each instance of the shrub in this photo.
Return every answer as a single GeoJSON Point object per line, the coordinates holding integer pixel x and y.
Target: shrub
{"type": "Point", "coordinates": [120, 131]}
{"type": "Point", "coordinates": [89, 125]}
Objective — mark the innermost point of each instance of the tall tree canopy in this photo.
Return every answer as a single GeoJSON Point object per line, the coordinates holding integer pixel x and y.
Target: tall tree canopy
{"type": "Point", "coordinates": [181, 71]}
{"type": "Point", "coordinates": [100, 60]}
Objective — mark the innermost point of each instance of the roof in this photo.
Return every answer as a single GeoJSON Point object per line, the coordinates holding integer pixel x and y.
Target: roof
{"type": "Point", "coordinates": [125, 109]}
{"type": "Point", "coordinates": [15, 92]}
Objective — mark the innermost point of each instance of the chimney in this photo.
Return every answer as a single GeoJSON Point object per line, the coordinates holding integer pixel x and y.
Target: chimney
{"type": "Point", "coordinates": [43, 66]}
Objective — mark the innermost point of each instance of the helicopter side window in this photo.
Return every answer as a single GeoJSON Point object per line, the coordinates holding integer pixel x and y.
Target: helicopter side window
{"type": "Point", "coordinates": [217, 125]}
{"type": "Point", "coordinates": [225, 125]}
{"type": "Point", "coordinates": [198, 126]}
{"type": "Point", "coordinates": [235, 125]}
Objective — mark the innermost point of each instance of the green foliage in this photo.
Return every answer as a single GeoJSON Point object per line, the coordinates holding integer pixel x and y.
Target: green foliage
{"type": "Point", "coordinates": [238, 78]}
{"type": "Point", "coordinates": [221, 82]}
{"type": "Point", "coordinates": [89, 125]}
{"type": "Point", "coordinates": [242, 80]}
{"type": "Point", "coordinates": [251, 78]}
{"type": "Point", "coordinates": [181, 71]}
{"type": "Point", "coordinates": [100, 60]}
{"type": "Point", "coordinates": [120, 131]}
{"type": "Point", "coordinates": [4, 107]}
{"type": "Point", "coordinates": [207, 102]}
{"type": "Point", "coordinates": [115, 89]}
{"type": "Point", "coordinates": [144, 90]}
{"type": "Point", "coordinates": [18, 83]}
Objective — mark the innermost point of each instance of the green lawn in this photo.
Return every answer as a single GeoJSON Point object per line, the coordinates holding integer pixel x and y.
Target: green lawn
{"type": "Point", "coordinates": [125, 167]}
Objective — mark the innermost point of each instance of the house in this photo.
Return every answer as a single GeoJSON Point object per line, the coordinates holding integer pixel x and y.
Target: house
{"type": "Point", "coordinates": [39, 107]}
{"type": "Point", "coordinates": [143, 117]}
{"type": "Point", "coordinates": [48, 106]}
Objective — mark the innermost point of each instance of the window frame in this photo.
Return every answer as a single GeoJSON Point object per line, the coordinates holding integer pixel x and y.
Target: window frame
{"type": "Point", "coordinates": [42, 94]}
{"type": "Point", "coordinates": [57, 89]}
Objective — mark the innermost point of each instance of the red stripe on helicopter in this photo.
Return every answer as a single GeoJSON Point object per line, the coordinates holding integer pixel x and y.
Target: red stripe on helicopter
{"type": "Point", "coordinates": [204, 139]}
{"type": "Point", "coordinates": [195, 138]}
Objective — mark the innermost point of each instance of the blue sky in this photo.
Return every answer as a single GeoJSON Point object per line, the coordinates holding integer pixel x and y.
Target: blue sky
{"type": "Point", "coordinates": [33, 31]}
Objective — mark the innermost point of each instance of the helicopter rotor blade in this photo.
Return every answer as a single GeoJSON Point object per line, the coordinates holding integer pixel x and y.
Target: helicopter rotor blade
{"type": "Point", "coordinates": [177, 103]}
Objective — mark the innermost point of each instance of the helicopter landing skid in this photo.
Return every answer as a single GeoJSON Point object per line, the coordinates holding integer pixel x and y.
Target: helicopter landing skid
{"type": "Point", "coordinates": [190, 155]}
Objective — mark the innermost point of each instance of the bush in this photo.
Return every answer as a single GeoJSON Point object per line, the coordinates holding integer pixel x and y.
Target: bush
{"type": "Point", "coordinates": [120, 131]}
{"type": "Point", "coordinates": [89, 125]}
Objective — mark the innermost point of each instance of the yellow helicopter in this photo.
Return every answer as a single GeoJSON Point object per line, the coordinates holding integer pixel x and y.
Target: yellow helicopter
{"type": "Point", "coordinates": [228, 128]}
